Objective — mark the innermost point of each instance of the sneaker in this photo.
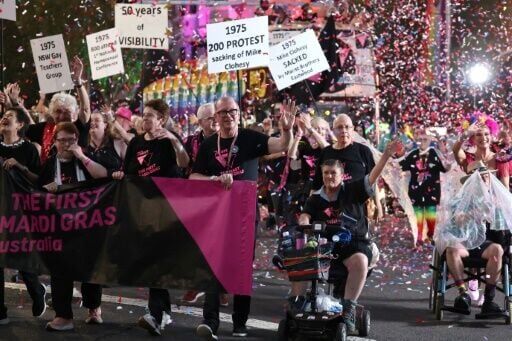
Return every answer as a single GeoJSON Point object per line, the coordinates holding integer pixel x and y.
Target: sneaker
{"type": "Point", "coordinates": [166, 320]}
{"type": "Point", "coordinates": [148, 322]}
{"type": "Point", "coordinates": [39, 304]}
{"type": "Point", "coordinates": [94, 316]}
{"type": "Point", "coordinates": [240, 331]}
{"type": "Point", "coordinates": [60, 325]}
{"type": "Point", "coordinates": [349, 317]}
{"type": "Point", "coordinates": [205, 331]}
{"type": "Point", "coordinates": [224, 301]}
{"type": "Point", "coordinates": [489, 307]}
{"type": "Point", "coordinates": [192, 296]}
{"type": "Point", "coordinates": [463, 302]}
{"type": "Point", "coordinates": [473, 291]}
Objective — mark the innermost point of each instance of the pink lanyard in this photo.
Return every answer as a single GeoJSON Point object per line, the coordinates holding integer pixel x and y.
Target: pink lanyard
{"type": "Point", "coordinates": [228, 165]}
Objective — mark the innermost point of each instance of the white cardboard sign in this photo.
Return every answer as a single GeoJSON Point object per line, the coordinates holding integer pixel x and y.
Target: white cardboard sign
{"type": "Point", "coordinates": [296, 59]}
{"type": "Point", "coordinates": [105, 54]}
{"type": "Point", "coordinates": [51, 63]}
{"type": "Point", "coordinates": [238, 44]}
{"type": "Point", "coordinates": [8, 9]}
{"type": "Point", "coordinates": [142, 26]}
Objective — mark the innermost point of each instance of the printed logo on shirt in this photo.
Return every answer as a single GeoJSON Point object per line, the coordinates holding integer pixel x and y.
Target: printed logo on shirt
{"type": "Point", "coordinates": [144, 158]}
{"type": "Point", "coordinates": [333, 215]}
{"type": "Point", "coordinates": [222, 159]}
{"type": "Point", "coordinates": [422, 167]}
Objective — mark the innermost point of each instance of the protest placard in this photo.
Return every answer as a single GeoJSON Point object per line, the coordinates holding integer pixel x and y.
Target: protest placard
{"type": "Point", "coordinates": [296, 59]}
{"type": "Point", "coordinates": [237, 45]}
{"type": "Point", "coordinates": [8, 9]}
{"type": "Point", "coordinates": [51, 63]}
{"type": "Point", "coordinates": [142, 26]}
{"type": "Point", "coordinates": [105, 54]}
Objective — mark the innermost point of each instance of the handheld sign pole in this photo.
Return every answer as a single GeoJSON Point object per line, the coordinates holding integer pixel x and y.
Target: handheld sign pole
{"type": "Point", "coordinates": [239, 97]}
{"type": "Point", "coordinates": [312, 97]}
{"type": "Point", "coordinates": [2, 77]}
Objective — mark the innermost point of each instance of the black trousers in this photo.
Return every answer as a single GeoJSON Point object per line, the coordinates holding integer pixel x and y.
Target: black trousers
{"type": "Point", "coordinates": [241, 310]}
{"type": "Point", "coordinates": [34, 288]}
{"type": "Point", "coordinates": [62, 296]}
{"type": "Point", "coordinates": [159, 302]}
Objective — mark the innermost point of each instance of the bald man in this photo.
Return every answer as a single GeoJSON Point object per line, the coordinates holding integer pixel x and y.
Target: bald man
{"type": "Point", "coordinates": [232, 154]}
{"type": "Point", "coordinates": [356, 158]}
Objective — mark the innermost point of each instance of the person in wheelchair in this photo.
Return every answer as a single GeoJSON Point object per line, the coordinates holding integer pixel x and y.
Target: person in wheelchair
{"type": "Point", "coordinates": [491, 250]}
{"type": "Point", "coordinates": [334, 200]}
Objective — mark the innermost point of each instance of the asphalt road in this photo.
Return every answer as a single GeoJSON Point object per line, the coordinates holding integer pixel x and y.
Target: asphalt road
{"type": "Point", "coordinates": [396, 294]}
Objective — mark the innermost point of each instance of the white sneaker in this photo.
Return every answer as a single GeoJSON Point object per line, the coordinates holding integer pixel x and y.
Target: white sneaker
{"type": "Point", "coordinates": [473, 290]}
{"type": "Point", "coordinates": [166, 320]}
{"type": "Point", "coordinates": [206, 332]}
{"type": "Point", "coordinates": [148, 322]}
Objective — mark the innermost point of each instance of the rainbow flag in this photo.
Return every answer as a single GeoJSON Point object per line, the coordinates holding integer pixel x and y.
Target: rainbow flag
{"type": "Point", "coordinates": [433, 70]}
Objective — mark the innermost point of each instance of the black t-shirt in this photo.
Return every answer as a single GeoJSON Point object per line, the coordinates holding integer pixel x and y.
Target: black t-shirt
{"type": "Point", "coordinates": [309, 157]}
{"type": "Point", "coordinates": [357, 161]}
{"type": "Point", "coordinates": [106, 156]}
{"type": "Point", "coordinates": [68, 171]}
{"type": "Point", "coordinates": [25, 153]}
{"type": "Point", "coordinates": [151, 158]}
{"type": "Point", "coordinates": [248, 147]}
{"type": "Point", "coordinates": [351, 202]}
{"type": "Point", "coordinates": [425, 185]}
{"type": "Point", "coordinates": [35, 132]}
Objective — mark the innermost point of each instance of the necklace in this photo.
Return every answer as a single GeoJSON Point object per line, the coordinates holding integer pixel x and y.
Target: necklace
{"type": "Point", "coordinates": [12, 145]}
{"type": "Point", "coordinates": [226, 163]}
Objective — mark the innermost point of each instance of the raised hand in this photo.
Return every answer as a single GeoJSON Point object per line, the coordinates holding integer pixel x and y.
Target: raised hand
{"type": "Point", "coordinates": [288, 111]}
{"type": "Point", "coordinates": [77, 67]}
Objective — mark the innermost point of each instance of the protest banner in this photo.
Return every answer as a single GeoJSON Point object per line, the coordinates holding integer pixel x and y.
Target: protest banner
{"type": "Point", "coordinates": [51, 62]}
{"type": "Point", "coordinates": [8, 9]}
{"type": "Point", "coordinates": [105, 54]}
{"type": "Point", "coordinates": [146, 232]}
{"type": "Point", "coordinates": [296, 59]}
{"type": "Point", "coordinates": [236, 45]}
{"type": "Point", "coordinates": [358, 80]}
{"type": "Point", "coordinates": [142, 26]}
{"type": "Point", "coordinates": [278, 36]}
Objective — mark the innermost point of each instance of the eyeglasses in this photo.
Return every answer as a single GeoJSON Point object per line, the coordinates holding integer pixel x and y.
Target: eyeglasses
{"type": "Point", "coordinates": [69, 140]}
{"type": "Point", "coordinates": [230, 112]}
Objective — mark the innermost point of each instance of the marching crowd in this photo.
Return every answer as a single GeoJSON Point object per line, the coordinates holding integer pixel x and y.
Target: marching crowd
{"type": "Point", "coordinates": [310, 170]}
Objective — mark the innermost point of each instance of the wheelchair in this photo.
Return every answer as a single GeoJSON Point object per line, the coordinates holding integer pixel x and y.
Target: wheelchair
{"type": "Point", "coordinates": [312, 264]}
{"type": "Point", "coordinates": [474, 269]}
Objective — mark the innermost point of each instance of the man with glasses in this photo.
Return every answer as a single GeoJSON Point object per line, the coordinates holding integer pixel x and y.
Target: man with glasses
{"type": "Point", "coordinates": [425, 165]}
{"type": "Point", "coordinates": [356, 158]}
{"type": "Point", "coordinates": [232, 154]}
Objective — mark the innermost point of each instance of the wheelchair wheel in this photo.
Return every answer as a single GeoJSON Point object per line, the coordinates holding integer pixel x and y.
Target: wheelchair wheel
{"type": "Point", "coordinates": [364, 326]}
{"type": "Point", "coordinates": [282, 330]}
{"type": "Point", "coordinates": [508, 307]}
{"type": "Point", "coordinates": [439, 304]}
{"type": "Point", "coordinates": [340, 332]}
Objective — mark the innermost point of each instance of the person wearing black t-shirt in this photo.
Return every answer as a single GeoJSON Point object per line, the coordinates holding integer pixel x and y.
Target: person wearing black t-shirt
{"type": "Point", "coordinates": [157, 152]}
{"type": "Point", "coordinates": [425, 166]}
{"type": "Point", "coordinates": [18, 153]}
{"type": "Point", "coordinates": [336, 198]}
{"type": "Point", "coordinates": [63, 108]}
{"type": "Point", "coordinates": [68, 165]}
{"type": "Point", "coordinates": [232, 154]}
{"type": "Point", "coordinates": [356, 158]}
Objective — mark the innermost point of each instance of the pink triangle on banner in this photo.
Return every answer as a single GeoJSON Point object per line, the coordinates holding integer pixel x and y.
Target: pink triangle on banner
{"type": "Point", "coordinates": [221, 222]}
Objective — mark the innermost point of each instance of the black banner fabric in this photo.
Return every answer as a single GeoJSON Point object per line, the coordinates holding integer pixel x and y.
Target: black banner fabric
{"type": "Point", "coordinates": [126, 233]}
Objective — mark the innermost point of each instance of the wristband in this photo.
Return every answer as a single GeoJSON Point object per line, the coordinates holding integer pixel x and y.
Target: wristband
{"type": "Point", "coordinates": [86, 161]}
{"type": "Point", "coordinates": [78, 85]}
